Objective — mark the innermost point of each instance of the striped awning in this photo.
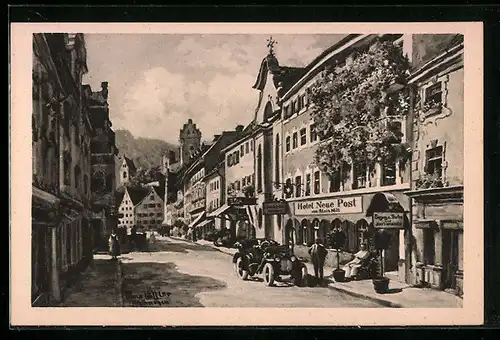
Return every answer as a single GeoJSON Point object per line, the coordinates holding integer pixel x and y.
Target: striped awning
{"type": "Point", "coordinates": [219, 211]}
{"type": "Point", "coordinates": [197, 220]}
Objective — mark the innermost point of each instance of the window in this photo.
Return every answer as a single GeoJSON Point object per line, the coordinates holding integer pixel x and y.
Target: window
{"type": "Point", "coordinates": [429, 247]}
{"type": "Point", "coordinates": [287, 144]}
{"type": "Point", "coordinates": [299, 103]}
{"type": "Point", "coordinates": [294, 107]}
{"type": "Point", "coordinates": [434, 94]}
{"type": "Point", "coordinates": [251, 145]}
{"type": "Point", "coordinates": [259, 170]}
{"type": "Point", "coordinates": [308, 185]}
{"type": "Point", "coordinates": [389, 174]}
{"type": "Point", "coordinates": [242, 150]}
{"type": "Point", "coordinates": [316, 183]}
{"type": "Point", "coordinates": [229, 161]}
{"type": "Point", "coordinates": [152, 197]}
{"type": "Point", "coordinates": [246, 148]}
{"type": "Point", "coordinates": [434, 160]}
{"type": "Point", "coordinates": [295, 140]}
{"type": "Point", "coordinates": [335, 182]}
{"type": "Point", "coordinates": [288, 184]}
{"type": "Point", "coordinates": [360, 175]}
{"type": "Point", "coordinates": [298, 186]}
{"type": "Point", "coordinates": [313, 135]}
{"type": "Point", "coordinates": [244, 181]}
{"type": "Point", "coordinates": [303, 136]}
{"type": "Point", "coordinates": [277, 159]}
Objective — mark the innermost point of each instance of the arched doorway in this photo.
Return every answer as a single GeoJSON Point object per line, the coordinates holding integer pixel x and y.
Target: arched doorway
{"type": "Point", "coordinates": [362, 227]}
{"type": "Point", "coordinates": [349, 229]}
{"type": "Point", "coordinates": [302, 232]}
{"type": "Point", "coordinates": [386, 202]}
{"type": "Point", "coordinates": [324, 229]}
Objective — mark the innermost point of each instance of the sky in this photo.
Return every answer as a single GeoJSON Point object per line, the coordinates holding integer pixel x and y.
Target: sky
{"type": "Point", "coordinates": [158, 81]}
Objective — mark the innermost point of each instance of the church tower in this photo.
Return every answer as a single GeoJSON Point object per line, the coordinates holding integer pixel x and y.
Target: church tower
{"type": "Point", "coordinates": [189, 140]}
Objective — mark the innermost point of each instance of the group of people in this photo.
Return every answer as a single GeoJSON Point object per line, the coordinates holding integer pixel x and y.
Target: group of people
{"type": "Point", "coordinates": [319, 253]}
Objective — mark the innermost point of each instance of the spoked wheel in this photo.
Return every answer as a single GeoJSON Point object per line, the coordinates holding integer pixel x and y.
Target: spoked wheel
{"type": "Point", "coordinates": [301, 279]}
{"type": "Point", "coordinates": [240, 269]}
{"type": "Point", "coordinates": [268, 274]}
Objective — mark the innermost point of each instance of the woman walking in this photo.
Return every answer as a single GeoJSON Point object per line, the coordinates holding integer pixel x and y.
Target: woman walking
{"type": "Point", "coordinates": [114, 245]}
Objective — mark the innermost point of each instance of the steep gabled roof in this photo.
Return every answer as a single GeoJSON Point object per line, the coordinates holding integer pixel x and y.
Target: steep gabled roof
{"type": "Point", "coordinates": [160, 190]}
{"type": "Point", "coordinates": [119, 197]}
{"type": "Point", "coordinates": [137, 194]}
{"type": "Point", "coordinates": [130, 163]}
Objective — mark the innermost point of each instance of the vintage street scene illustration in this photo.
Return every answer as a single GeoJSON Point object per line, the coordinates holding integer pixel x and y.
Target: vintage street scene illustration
{"type": "Point", "coordinates": [247, 170]}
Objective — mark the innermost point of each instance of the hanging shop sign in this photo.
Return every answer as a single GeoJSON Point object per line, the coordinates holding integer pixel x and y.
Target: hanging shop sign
{"type": "Point", "coordinates": [388, 220]}
{"type": "Point", "coordinates": [275, 208]}
{"type": "Point", "coordinates": [241, 201]}
{"type": "Point", "coordinates": [349, 205]}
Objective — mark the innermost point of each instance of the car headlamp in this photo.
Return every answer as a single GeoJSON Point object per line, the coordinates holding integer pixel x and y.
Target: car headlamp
{"type": "Point", "coordinates": [277, 259]}
{"type": "Point", "coordinates": [293, 259]}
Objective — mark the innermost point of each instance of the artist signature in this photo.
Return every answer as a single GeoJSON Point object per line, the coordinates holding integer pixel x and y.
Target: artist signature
{"type": "Point", "coordinates": [149, 298]}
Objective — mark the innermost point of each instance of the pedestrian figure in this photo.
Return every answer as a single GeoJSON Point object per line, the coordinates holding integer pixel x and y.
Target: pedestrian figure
{"type": "Point", "coordinates": [318, 254]}
{"type": "Point", "coordinates": [152, 238]}
{"type": "Point", "coordinates": [114, 245]}
{"type": "Point", "coordinates": [133, 236]}
{"type": "Point", "coordinates": [351, 268]}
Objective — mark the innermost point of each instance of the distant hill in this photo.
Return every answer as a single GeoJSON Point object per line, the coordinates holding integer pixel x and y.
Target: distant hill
{"type": "Point", "coordinates": [145, 152]}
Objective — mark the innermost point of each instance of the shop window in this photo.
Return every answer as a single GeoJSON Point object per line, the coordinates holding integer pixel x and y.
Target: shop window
{"type": "Point", "coordinates": [434, 160]}
{"type": "Point", "coordinates": [308, 185]}
{"type": "Point", "coordinates": [313, 135]}
{"type": "Point", "coordinates": [317, 187]}
{"type": "Point", "coordinates": [287, 144]}
{"type": "Point", "coordinates": [298, 186]}
{"type": "Point", "coordinates": [303, 136]}
{"type": "Point", "coordinates": [429, 252]}
{"type": "Point", "coordinates": [295, 141]}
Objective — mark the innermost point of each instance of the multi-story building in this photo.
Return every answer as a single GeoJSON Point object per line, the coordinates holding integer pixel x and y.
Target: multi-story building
{"type": "Point", "coordinates": [214, 184]}
{"type": "Point", "coordinates": [104, 153]}
{"type": "Point", "coordinates": [318, 203]}
{"type": "Point", "coordinates": [142, 207]}
{"type": "Point", "coordinates": [437, 79]}
{"type": "Point", "coordinates": [61, 194]}
{"type": "Point", "coordinates": [208, 159]}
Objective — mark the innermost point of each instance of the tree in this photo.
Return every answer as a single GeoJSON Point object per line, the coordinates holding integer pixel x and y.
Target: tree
{"type": "Point", "coordinates": [350, 103]}
{"type": "Point", "coordinates": [144, 176]}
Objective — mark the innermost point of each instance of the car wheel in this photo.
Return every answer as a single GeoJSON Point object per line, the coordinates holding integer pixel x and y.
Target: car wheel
{"type": "Point", "coordinates": [240, 271]}
{"type": "Point", "coordinates": [301, 279]}
{"type": "Point", "coordinates": [268, 274]}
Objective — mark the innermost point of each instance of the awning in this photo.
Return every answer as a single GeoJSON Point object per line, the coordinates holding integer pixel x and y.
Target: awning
{"type": "Point", "coordinates": [219, 211]}
{"type": "Point", "coordinates": [197, 219]}
{"type": "Point", "coordinates": [205, 222]}
{"type": "Point", "coordinates": [384, 202]}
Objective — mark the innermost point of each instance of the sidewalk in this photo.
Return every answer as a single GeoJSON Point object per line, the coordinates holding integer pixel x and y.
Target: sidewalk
{"type": "Point", "coordinates": [400, 295]}
{"type": "Point", "coordinates": [98, 286]}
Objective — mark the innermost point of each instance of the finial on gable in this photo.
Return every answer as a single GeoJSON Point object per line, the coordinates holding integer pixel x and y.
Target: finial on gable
{"type": "Point", "coordinates": [270, 45]}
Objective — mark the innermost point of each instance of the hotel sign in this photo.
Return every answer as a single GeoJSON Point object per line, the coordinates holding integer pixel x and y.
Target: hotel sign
{"type": "Point", "coordinates": [350, 205]}
{"type": "Point", "coordinates": [388, 220]}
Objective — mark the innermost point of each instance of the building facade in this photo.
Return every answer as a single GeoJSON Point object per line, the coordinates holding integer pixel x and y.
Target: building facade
{"type": "Point", "coordinates": [438, 161]}
{"type": "Point", "coordinates": [104, 153]}
{"type": "Point", "coordinates": [319, 203]}
{"type": "Point", "coordinates": [61, 156]}
{"type": "Point", "coordinates": [149, 211]}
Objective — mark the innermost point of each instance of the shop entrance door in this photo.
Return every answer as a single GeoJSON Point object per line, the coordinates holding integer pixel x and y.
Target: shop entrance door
{"type": "Point", "coordinates": [450, 257]}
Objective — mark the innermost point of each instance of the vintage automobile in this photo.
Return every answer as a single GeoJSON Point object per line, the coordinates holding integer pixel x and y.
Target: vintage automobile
{"type": "Point", "coordinates": [269, 258]}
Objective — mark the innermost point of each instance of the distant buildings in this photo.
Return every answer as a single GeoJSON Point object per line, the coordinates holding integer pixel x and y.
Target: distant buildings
{"type": "Point", "coordinates": [126, 170]}
{"type": "Point", "coordinates": [63, 139]}
{"type": "Point", "coordinates": [142, 207]}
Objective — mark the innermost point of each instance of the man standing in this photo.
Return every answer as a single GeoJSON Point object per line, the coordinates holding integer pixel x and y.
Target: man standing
{"type": "Point", "coordinates": [318, 254]}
